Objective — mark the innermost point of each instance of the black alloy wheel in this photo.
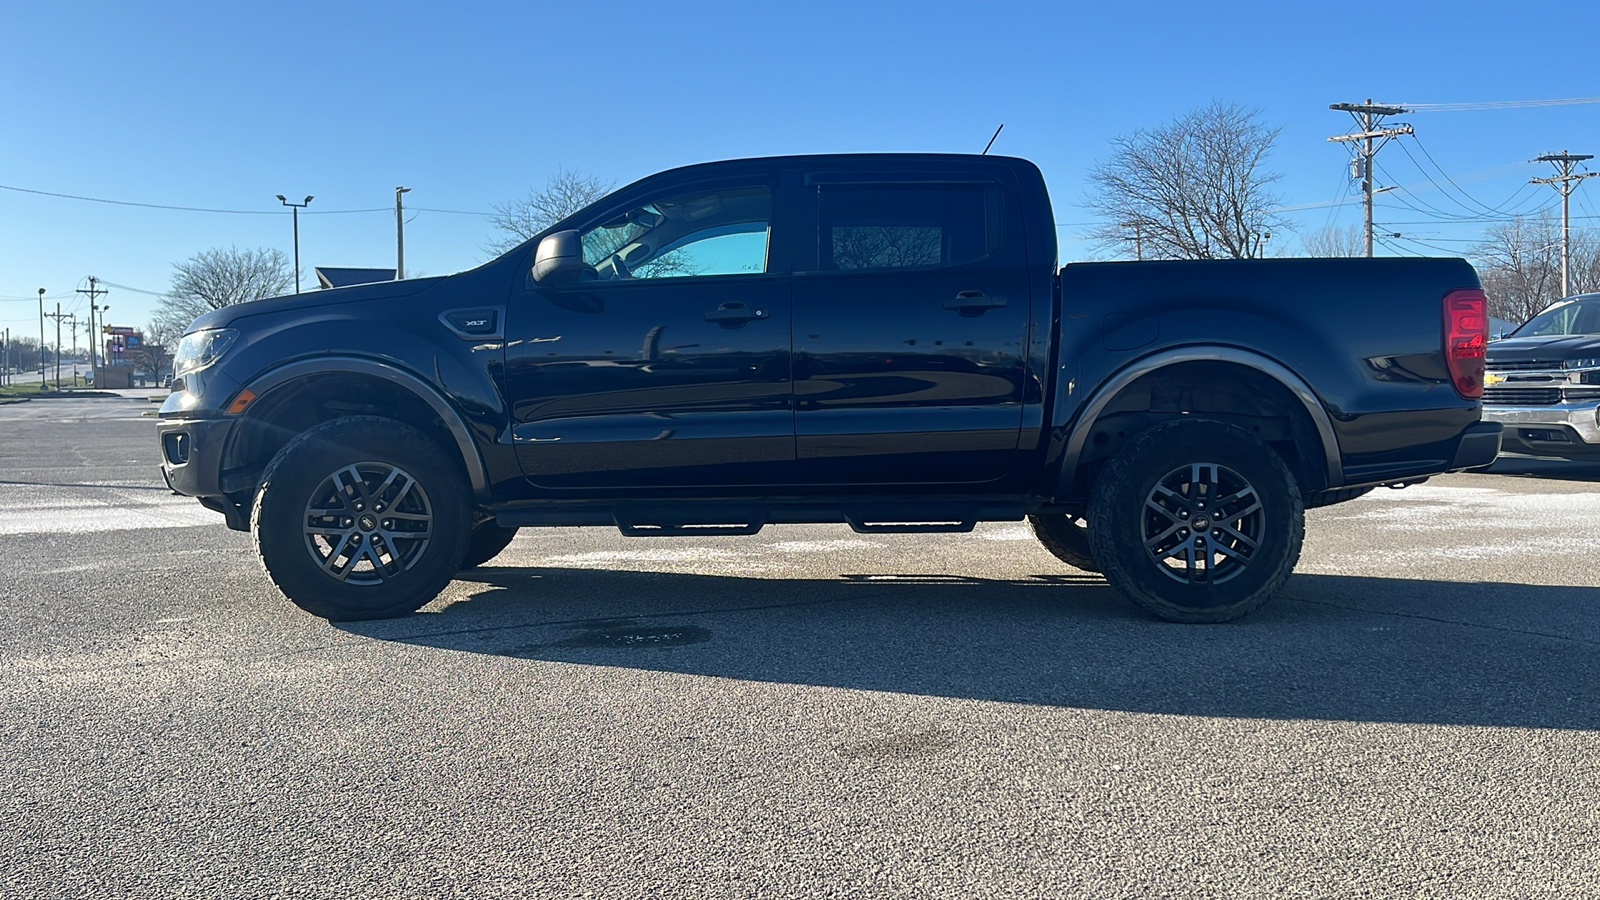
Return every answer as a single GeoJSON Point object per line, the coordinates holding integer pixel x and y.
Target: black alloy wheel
{"type": "Point", "coordinates": [361, 518]}
{"type": "Point", "coordinates": [1197, 521]}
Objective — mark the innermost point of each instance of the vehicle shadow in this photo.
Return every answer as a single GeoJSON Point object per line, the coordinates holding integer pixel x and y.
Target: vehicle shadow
{"type": "Point", "coordinates": [1540, 467]}
{"type": "Point", "coordinates": [1332, 647]}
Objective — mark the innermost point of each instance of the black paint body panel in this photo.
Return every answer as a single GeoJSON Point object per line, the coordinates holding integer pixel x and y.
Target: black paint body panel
{"type": "Point", "coordinates": [864, 384]}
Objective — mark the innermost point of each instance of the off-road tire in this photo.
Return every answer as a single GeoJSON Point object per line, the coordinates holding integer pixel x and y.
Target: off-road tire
{"type": "Point", "coordinates": [1151, 489]}
{"type": "Point", "coordinates": [1067, 537]}
{"type": "Point", "coordinates": [487, 540]}
{"type": "Point", "coordinates": [326, 488]}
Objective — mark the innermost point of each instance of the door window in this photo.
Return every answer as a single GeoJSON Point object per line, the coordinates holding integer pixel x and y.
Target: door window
{"type": "Point", "coordinates": [722, 232]}
{"type": "Point", "coordinates": [914, 226]}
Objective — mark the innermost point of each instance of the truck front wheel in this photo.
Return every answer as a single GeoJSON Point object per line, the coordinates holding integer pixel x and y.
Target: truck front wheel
{"type": "Point", "coordinates": [361, 518]}
{"type": "Point", "coordinates": [1197, 521]}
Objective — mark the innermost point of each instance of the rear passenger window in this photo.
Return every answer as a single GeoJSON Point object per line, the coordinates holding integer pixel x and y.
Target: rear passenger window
{"type": "Point", "coordinates": [906, 226]}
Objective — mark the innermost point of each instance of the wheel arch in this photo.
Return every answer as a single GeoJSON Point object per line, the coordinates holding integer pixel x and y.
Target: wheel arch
{"type": "Point", "coordinates": [1281, 385]}
{"type": "Point", "coordinates": [292, 397]}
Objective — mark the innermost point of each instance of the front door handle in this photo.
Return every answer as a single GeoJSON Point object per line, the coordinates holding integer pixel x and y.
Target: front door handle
{"type": "Point", "coordinates": [734, 315]}
{"type": "Point", "coordinates": [973, 303]}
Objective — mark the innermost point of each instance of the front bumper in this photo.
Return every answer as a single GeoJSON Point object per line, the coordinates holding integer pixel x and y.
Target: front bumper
{"type": "Point", "coordinates": [1563, 429]}
{"type": "Point", "coordinates": [191, 454]}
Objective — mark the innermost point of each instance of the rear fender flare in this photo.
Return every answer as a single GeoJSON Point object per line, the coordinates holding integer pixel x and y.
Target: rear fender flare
{"type": "Point", "coordinates": [1114, 385]}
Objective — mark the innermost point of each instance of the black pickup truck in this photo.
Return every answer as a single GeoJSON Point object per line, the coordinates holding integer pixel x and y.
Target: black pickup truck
{"type": "Point", "coordinates": [879, 340]}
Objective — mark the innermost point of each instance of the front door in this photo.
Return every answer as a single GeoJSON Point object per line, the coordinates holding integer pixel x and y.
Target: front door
{"type": "Point", "coordinates": [666, 365]}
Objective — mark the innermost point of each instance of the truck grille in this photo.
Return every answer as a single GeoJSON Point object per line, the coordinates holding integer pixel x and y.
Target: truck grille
{"type": "Point", "coordinates": [1508, 395]}
{"type": "Point", "coordinates": [1525, 365]}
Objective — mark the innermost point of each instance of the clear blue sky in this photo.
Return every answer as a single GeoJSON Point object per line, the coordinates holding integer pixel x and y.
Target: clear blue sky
{"type": "Point", "coordinates": [225, 105]}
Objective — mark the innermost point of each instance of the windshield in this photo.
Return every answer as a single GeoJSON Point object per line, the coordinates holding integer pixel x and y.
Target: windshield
{"type": "Point", "coordinates": [1569, 317]}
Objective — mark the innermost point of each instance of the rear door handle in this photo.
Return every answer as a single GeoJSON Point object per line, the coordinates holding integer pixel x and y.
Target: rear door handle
{"type": "Point", "coordinates": [973, 303]}
{"type": "Point", "coordinates": [732, 315]}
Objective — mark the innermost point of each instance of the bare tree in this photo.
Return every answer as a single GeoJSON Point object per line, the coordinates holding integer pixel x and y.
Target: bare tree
{"type": "Point", "coordinates": [1191, 189]}
{"type": "Point", "coordinates": [160, 340]}
{"type": "Point", "coordinates": [212, 279]}
{"type": "Point", "coordinates": [1520, 264]}
{"type": "Point", "coordinates": [875, 246]}
{"type": "Point", "coordinates": [1335, 240]}
{"type": "Point", "coordinates": [563, 194]}
{"type": "Point", "coordinates": [23, 354]}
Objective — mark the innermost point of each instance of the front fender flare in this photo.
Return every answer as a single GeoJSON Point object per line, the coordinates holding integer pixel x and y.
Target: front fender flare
{"type": "Point", "coordinates": [472, 460]}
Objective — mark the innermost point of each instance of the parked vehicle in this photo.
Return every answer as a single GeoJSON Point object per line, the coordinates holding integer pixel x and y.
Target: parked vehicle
{"type": "Point", "coordinates": [1543, 381]}
{"type": "Point", "coordinates": [880, 340]}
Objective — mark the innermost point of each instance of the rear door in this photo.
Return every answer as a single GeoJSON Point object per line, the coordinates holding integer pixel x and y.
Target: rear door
{"type": "Point", "coordinates": [910, 327]}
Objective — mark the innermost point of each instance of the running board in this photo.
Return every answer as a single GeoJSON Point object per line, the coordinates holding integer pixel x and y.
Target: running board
{"type": "Point", "coordinates": [862, 527]}
{"type": "Point", "coordinates": [644, 523]}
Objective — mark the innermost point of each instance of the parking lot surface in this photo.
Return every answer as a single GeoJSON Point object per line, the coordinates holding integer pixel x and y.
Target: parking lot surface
{"type": "Point", "coordinates": [807, 712]}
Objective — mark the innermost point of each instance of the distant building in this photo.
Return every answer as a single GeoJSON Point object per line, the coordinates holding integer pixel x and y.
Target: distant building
{"type": "Point", "coordinates": [330, 277]}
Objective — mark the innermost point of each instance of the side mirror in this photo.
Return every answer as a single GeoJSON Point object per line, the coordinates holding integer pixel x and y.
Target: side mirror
{"type": "Point", "coordinates": [559, 258]}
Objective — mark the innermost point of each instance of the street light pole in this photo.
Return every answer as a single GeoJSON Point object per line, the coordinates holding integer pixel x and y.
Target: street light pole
{"type": "Point", "coordinates": [296, 207]}
{"type": "Point", "coordinates": [399, 236]}
{"type": "Point", "coordinates": [41, 338]}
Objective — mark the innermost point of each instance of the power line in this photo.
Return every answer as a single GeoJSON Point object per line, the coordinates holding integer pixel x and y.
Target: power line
{"type": "Point", "coordinates": [1441, 213]}
{"type": "Point", "coordinates": [125, 287]}
{"type": "Point", "coordinates": [1497, 210]}
{"type": "Point", "coordinates": [1496, 104]}
{"type": "Point", "coordinates": [453, 212]}
{"type": "Point", "coordinates": [199, 209]}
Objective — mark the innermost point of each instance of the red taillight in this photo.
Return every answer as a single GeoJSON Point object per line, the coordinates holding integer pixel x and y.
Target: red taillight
{"type": "Point", "coordinates": [1466, 336]}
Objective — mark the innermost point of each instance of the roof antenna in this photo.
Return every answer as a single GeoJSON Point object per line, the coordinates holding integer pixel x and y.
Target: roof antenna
{"type": "Point", "coordinates": [991, 140]}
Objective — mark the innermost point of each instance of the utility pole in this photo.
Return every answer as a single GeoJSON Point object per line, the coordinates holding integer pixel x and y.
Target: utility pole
{"type": "Point", "coordinates": [93, 292]}
{"type": "Point", "coordinates": [72, 329]}
{"type": "Point", "coordinates": [1565, 183]}
{"type": "Point", "coordinates": [58, 315]}
{"type": "Point", "coordinates": [399, 236]}
{"type": "Point", "coordinates": [1369, 118]}
{"type": "Point", "coordinates": [1138, 238]}
{"type": "Point", "coordinates": [5, 366]}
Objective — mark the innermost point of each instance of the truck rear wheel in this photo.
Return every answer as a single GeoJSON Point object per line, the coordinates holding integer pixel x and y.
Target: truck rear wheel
{"type": "Point", "coordinates": [361, 518]}
{"type": "Point", "coordinates": [1067, 537]}
{"type": "Point", "coordinates": [1197, 521]}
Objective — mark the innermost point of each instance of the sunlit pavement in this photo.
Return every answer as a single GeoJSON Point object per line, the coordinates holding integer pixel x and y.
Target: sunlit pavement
{"type": "Point", "coordinates": [806, 712]}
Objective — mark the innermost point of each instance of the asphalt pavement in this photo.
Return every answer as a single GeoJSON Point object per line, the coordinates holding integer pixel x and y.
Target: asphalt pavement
{"type": "Point", "coordinates": [802, 713]}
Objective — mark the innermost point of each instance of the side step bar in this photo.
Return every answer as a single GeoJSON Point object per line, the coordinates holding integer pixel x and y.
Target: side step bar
{"type": "Point", "coordinates": [652, 518]}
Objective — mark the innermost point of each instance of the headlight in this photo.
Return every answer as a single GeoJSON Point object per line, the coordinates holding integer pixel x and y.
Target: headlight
{"type": "Point", "coordinates": [201, 349]}
{"type": "Point", "coordinates": [1586, 363]}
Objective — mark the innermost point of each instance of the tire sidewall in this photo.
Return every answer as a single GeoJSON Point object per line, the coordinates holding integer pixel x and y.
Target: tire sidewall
{"type": "Point", "coordinates": [1117, 505]}
{"type": "Point", "coordinates": [301, 466]}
